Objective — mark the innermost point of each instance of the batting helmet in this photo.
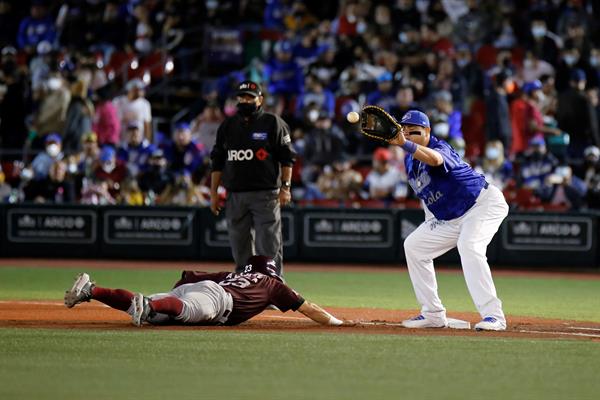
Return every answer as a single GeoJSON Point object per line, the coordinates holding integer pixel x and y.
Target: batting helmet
{"type": "Point", "coordinates": [263, 265]}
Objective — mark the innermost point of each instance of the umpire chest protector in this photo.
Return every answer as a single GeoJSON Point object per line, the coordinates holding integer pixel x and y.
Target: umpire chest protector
{"type": "Point", "coordinates": [249, 152]}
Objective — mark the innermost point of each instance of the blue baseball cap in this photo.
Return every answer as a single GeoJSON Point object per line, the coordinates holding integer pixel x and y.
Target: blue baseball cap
{"type": "Point", "coordinates": [107, 153]}
{"type": "Point", "coordinates": [54, 138]}
{"type": "Point", "coordinates": [414, 117]}
{"type": "Point", "coordinates": [180, 126]}
{"type": "Point", "coordinates": [529, 87]}
{"type": "Point", "coordinates": [385, 77]}
{"type": "Point", "coordinates": [537, 141]}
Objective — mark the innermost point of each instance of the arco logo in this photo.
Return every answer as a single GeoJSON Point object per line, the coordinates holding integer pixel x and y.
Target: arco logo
{"type": "Point", "coordinates": [240, 155]}
{"type": "Point", "coordinates": [262, 154]}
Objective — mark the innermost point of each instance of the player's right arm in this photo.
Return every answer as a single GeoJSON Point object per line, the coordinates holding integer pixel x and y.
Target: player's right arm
{"type": "Point", "coordinates": [319, 315]}
{"type": "Point", "coordinates": [423, 153]}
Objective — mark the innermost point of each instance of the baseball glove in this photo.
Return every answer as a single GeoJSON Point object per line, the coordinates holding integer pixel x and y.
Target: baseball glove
{"type": "Point", "coordinates": [376, 123]}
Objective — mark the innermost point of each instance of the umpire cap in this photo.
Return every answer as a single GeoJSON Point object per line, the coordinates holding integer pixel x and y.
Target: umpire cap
{"type": "Point", "coordinates": [263, 265]}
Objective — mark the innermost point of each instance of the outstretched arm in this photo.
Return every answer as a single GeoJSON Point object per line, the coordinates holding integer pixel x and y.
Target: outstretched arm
{"type": "Point", "coordinates": [319, 315]}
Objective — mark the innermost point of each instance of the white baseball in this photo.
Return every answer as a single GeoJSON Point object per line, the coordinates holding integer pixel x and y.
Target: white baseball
{"type": "Point", "coordinates": [352, 117]}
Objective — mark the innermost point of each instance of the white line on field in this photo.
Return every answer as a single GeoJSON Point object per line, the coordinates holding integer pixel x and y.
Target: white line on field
{"type": "Point", "coordinates": [561, 333]}
{"type": "Point", "coordinates": [581, 328]}
{"type": "Point", "coordinates": [37, 303]}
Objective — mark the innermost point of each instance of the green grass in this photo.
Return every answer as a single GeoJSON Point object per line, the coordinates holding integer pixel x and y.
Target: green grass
{"type": "Point", "coordinates": [47, 364]}
{"type": "Point", "coordinates": [536, 297]}
{"type": "Point", "coordinates": [223, 364]}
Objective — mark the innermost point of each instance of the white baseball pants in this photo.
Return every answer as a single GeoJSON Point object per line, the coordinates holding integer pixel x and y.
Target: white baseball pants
{"type": "Point", "coordinates": [471, 234]}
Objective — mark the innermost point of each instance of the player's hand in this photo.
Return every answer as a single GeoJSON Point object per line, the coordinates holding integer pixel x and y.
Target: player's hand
{"type": "Point", "coordinates": [215, 207]}
{"type": "Point", "coordinates": [399, 139]}
{"type": "Point", "coordinates": [285, 197]}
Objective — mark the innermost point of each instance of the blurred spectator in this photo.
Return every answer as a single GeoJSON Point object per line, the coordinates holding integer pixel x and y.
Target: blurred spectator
{"type": "Point", "coordinates": [323, 143]}
{"type": "Point", "coordinates": [541, 42]}
{"type": "Point", "coordinates": [576, 116]}
{"type": "Point", "coordinates": [469, 81]}
{"type": "Point", "coordinates": [79, 118]}
{"type": "Point", "coordinates": [569, 63]}
{"type": "Point", "coordinates": [136, 150]}
{"type": "Point", "coordinates": [494, 166]}
{"type": "Point", "coordinates": [43, 161]}
{"type": "Point", "coordinates": [54, 188]}
{"type": "Point", "coordinates": [133, 106]}
{"type": "Point", "coordinates": [315, 97]}
{"type": "Point", "coordinates": [536, 165]}
{"type": "Point", "coordinates": [143, 29]}
{"type": "Point", "coordinates": [445, 120]}
{"type": "Point", "coordinates": [111, 30]}
{"type": "Point", "coordinates": [182, 192]}
{"type": "Point", "coordinates": [5, 188]}
{"type": "Point", "coordinates": [204, 126]}
{"type": "Point", "coordinates": [52, 113]}
{"type": "Point", "coordinates": [185, 156]}
{"type": "Point", "coordinates": [282, 74]}
{"type": "Point", "coordinates": [88, 159]}
{"type": "Point", "coordinates": [384, 96]}
{"type": "Point", "coordinates": [339, 181]}
{"type": "Point", "coordinates": [39, 67]}
{"type": "Point", "coordinates": [405, 100]}
{"type": "Point", "coordinates": [96, 192]}
{"type": "Point", "coordinates": [110, 171]}
{"type": "Point", "coordinates": [385, 181]}
{"type": "Point", "coordinates": [130, 193]}
{"type": "Point", "coordinates": [534, 68]}
{"type": "Point", "coordinates": [37, 27]}
{"type": "Point", "coordinates": [589, 172]}
{"type": "Point", "coordinates": [155, 179]}
{"type": "Point", "coordinates": [563, 188]}
{"type": "Point", "coordinates": [497, 122]}
{"type": "Point", "coordinates": [13, 103]}
{"type": "Point", "coordinates": [106, 123]}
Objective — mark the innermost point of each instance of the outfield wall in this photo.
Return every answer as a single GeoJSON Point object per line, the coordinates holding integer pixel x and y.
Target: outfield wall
{"type": "Point", "coordinates": [309, 234]}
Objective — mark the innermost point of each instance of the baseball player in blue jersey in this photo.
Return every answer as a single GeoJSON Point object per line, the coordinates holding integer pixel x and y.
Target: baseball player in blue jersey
{"type": "Point", "coordinates": [461, 210]}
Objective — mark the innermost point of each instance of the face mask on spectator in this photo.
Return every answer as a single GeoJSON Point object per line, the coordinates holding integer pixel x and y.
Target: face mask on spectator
{"type": "Point", "coordinates": [108, 167]}
{"type": "Point", "coordinates": [594, 61]}
{"type": "Point", "coordinates": [570, 59]}
{"type": "Point", "coordinates": [72, 168]}
{"type": "Point", "coordinates": [492, 153]}
{"type": "Point", "coordinates": [441, 129]}
{"type": "Point", "coordinates": [230, 110]}
{"type": "Point", "coordinates": [538, 31]}
{"type": "Point", "coordinates": [53, 150]}
{"type": "Point", "coordinates": [247, 109]}
{"type": "Point", "coordinates": [54, 83]}
{"type": "Point", "coordinates": [403, 38]}
{"type": "Point", "coordinates": [528, 63]}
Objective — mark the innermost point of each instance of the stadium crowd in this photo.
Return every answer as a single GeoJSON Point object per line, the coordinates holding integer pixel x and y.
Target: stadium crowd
{"type": "Point", "coordinates": [513, 86]}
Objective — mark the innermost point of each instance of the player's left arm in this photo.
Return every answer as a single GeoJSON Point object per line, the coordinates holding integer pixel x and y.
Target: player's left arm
{"type": "Point", "coordinates": [320, 316]}
{"type": "Point", "coordinates": [423, 153]}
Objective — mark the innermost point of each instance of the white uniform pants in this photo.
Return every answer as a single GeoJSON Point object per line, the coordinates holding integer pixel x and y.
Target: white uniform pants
{"type": "Point", "coordinates": [471, 234]}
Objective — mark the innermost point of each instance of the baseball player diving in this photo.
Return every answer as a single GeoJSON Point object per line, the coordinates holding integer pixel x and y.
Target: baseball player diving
{"type": "Point", "coordinates": [461, 210]}
{"type": "Point", "coordinates": [202, 298]}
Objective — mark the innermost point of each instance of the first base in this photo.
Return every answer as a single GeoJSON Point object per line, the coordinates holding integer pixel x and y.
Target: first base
{"type": "Point", "coordinates": [454, 323]}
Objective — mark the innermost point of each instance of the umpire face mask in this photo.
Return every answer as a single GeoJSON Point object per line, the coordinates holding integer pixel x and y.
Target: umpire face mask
{"type": "Point", "coordinates": [248, 105]}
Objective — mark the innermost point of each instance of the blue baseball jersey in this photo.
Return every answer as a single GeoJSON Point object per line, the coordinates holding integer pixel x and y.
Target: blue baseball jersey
{"type": "Point", "coordinates": [448, 190]}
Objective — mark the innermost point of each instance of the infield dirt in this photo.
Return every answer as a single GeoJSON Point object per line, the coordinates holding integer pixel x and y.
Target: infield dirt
{"type": "Point", "coordinates": [54, 315]}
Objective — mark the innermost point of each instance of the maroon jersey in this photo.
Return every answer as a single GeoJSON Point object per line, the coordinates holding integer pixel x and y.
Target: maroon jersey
{"type": "Point", "coordinates": [251, 293]}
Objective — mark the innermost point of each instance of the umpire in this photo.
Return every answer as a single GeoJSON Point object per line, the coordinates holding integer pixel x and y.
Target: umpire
{"type": "Point", "coordinates": [253, 158]}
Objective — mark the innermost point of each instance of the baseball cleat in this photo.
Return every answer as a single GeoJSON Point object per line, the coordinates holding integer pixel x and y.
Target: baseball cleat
{"type": "Point", "coordinates": [490, 324]}
{"type": "Point", "coordinates": [80, 291]}
{"type": "Point", "coordinates": [141, 309]}
{"type": "Point", "coordinates": [421, 322]}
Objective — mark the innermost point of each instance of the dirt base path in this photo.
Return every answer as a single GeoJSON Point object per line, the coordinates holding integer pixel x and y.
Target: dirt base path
{"type": "Point", "coordinates": [27, 314]}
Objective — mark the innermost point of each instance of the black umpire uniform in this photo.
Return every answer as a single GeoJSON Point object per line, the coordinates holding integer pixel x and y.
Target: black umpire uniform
{"type": "Point", "coordinates": [252, 158]}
